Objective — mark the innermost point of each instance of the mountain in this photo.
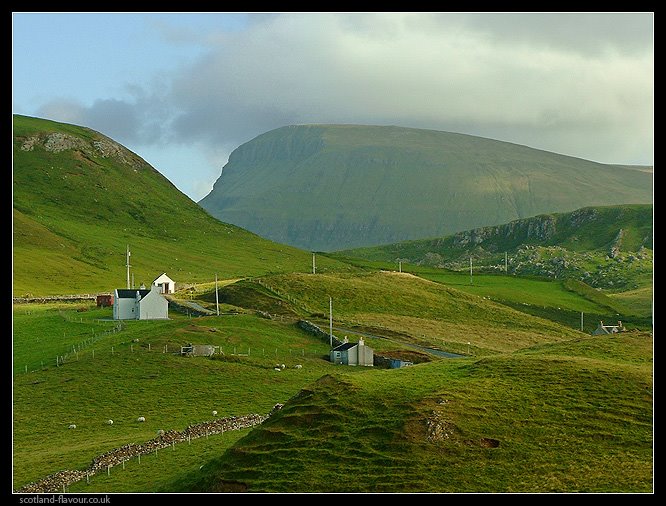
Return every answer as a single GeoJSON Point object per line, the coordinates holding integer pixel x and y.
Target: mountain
{"type": "Point", "coordinates": [607, 247]}
{"type": "Point", "coordinates": [80, 198]}
{"type": "Point", "coordinates": [334, 187]}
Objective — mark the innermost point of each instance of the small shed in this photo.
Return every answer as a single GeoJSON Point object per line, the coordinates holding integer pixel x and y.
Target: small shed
{"type": "Point", "coordinates": [198, 350]}
{"type": "Point", "coordinates": [608, 329]}
{"type": "Point", "coordinates": [165, 283]}
{"type": "Point", "coordinates": [352, 354]}
{"type": "Point", "coordinates": [396, 363]}
{"type": "Point", "coordinates": [105, 300]}
{"type": "Point", "coordinates": [140, 304]}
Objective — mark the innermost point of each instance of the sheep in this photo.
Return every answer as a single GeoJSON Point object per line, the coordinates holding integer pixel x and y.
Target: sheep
{"type": "Point", "coordinates": [72, 426]}
{"type": "Point", "coordinates": [282, 366]}
{"type": "Point", "coordinates": [277, 369]}
{"type": "Point", "coordinates": [298, 366]}
{"type": "Point", "coordinates": [109, 422]}
{"type": "Point", "coordinates": [141, 419]}
{"type": "Point", "coordinates": [214, 413]}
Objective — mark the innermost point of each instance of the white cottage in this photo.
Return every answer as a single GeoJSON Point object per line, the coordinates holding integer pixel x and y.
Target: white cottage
{"type": "Point", "coordinates": [139, 304]}
{"type": "Point", "coordinates": [352, 354]}
{"type": "Point", "coordinates": [167, 284]}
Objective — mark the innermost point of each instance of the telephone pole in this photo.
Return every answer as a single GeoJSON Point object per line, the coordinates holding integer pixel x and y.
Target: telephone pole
{"type": "Point", "coordinates": [128, 267]}
{"type": "Point", "coordinates": [314, 265]}
{"type": "Point", "coordinates": [217, 300]}
{"type": "Point", "coordinates": [470, 271]}
{"type": "Point", "coordinates": [330, 321]}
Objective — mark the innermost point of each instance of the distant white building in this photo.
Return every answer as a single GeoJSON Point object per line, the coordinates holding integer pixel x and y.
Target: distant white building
{"type": "Point", "coordinates": [167, 284]}
{"type": "Point", "coordinates": [138, 304]}
{"type": "Point", "coordinates": [352, 354]}
{"type": "Point", "coordinates": [608, 329]}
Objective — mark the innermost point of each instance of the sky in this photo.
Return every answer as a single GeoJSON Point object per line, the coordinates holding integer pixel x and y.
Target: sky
{"type": "Point", "coordinates": [183, 90]}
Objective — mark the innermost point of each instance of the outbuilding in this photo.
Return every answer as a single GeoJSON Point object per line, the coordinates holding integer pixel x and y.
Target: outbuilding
{"type": "Point", "coordinates": [140, 304]}
{"type": "Point", "coordinates": [166, 284]}
{"type": "Point", "coordinates": [352, 354]}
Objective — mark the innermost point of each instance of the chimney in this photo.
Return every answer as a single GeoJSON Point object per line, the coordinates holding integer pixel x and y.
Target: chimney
{"type": "Point", "coordinates": [346, 340]}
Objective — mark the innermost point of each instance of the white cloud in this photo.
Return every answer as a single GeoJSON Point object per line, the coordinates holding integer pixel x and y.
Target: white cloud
{"type": "Point", "coordinates": [578, 84]}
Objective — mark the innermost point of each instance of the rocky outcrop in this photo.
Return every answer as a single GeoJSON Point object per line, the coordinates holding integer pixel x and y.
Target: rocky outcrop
{"type": "Point", "coordinates": [57, 142]}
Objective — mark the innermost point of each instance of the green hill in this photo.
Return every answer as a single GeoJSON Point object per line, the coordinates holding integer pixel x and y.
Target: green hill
{"type": "Point", "coordinates": [606, 247]}
{"type": "Point", "coordinates": [334, 187]}
{"type": "Point", "coordinates": [567, 417]}
{"type": "Point", "coordinates": [79, 199]}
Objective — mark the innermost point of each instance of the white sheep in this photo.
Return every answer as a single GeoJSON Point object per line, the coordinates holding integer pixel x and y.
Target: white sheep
{"type": "Point", "coordinates": [214, 413]}
{"type": "Point", "coordinates": [277, 369]}
{"type": "Point", "coordinates": [109, 422]}
{"type": "Point", "coordinates": [72, 426]}
{"type": "Point", "coordinates": [141, 419]}
{"type": "Point", "coordinates": [282, 366]}
{"type": "Point", "coordinates": [298, 366]}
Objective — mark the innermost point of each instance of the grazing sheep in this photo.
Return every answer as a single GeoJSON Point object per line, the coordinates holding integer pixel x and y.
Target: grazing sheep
{"type": "Point", "coordinates": [214, 413]}
{"type": "Point", "coordinates": [141, 419]}
{"type": "Point", "coordinates": [109, 422]}
{"type": "Point", "coordinates": [298, 366]}
{"type": "Point", "coordinates": [282, 366]}
{"type": "Point", "coordinates": [277, 369]}
{"type": "Point", "coordinates": [72, 426]}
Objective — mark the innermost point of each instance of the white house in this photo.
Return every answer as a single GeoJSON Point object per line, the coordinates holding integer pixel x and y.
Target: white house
{"type": "Point", "coordinates": [138, 304]}
{"type": "Point", "coordinates": [167, 284]}
{"type": "Point", "coordinates": [352, 354]}
{"type": "Point", "coordinates": [608, 329]}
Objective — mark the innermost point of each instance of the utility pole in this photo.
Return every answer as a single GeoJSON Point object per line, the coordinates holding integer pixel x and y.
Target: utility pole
{"type": "Point", "coordinates": [399, 265]}
{"type": "Point", "coordinates": [314, 266]}
{"type": "Point", "coordinates": [330, 320]}
{"type": "Point", "coordinates": [506, 262]}
{"type": "Point", "coordinates": [581, 321]}
{"type": "Point", "coordinates": [470, 271]}
{"type": "Point", "coordinates": [128, 267]}
{"type": "Point", "coordinates": [217, 300]}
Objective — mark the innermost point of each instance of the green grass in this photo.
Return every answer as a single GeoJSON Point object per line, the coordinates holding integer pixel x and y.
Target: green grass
{"type": "Point", "coordinates": [159, 472]}
{"type": "Point", "coordinates": [567, 417]}
{"type": "Point", "coordinates": [75, 212]}
{"type": "Point", "coordinates": [560, 301]}
{"type": "Point", "coordinates": [409, 308]}
{"type": "Point", "coordinates": [131, 380]}
{"type": "Point", "coordinates": [639, 301]}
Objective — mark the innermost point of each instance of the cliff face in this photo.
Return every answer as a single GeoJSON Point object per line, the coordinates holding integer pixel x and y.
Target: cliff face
{"type": "Point", "coordinates": [333, 187]}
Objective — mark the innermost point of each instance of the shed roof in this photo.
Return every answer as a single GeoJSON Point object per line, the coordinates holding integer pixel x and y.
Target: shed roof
{"type": "Point", "coordinates": [124, 293]}
{"type": "Point", "coordinates": [344, 346]}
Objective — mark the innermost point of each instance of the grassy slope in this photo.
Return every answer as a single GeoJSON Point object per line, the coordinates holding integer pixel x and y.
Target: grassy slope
{"type": "Point", "coordinates": [607, 247]}
{"type": "Point", "coordinates": [406, 307]}
{"type": "Point", "coordinates": [332, 187]}
{"type": "Point", "coordinates": [76, 211]}
{"type": "Point", "coordinates": [132, 380]}
{"type": "Point", "coordinates": [566, 417]}
{"type": "Point", "coordinates": [586, 229]}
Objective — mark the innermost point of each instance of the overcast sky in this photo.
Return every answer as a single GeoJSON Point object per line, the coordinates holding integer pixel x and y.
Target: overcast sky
{"type": "Point", "coordinates": [183, 90]}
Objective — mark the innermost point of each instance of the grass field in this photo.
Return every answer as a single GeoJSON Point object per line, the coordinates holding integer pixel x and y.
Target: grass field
{"type": "Point", "coordinates": [132, 380]}
{"type": "Point", "coordinates": [568, 417]}
{"type": "Point", "coordinates": [560, 301]}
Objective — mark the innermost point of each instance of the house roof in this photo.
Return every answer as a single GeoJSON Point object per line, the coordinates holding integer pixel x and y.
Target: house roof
{"type": "Point", "coordinates": [344, 346]}
{"type": "Point", "coordinates": [164, 275]}
{"type": "Point", "coordinates": [124, 293]}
